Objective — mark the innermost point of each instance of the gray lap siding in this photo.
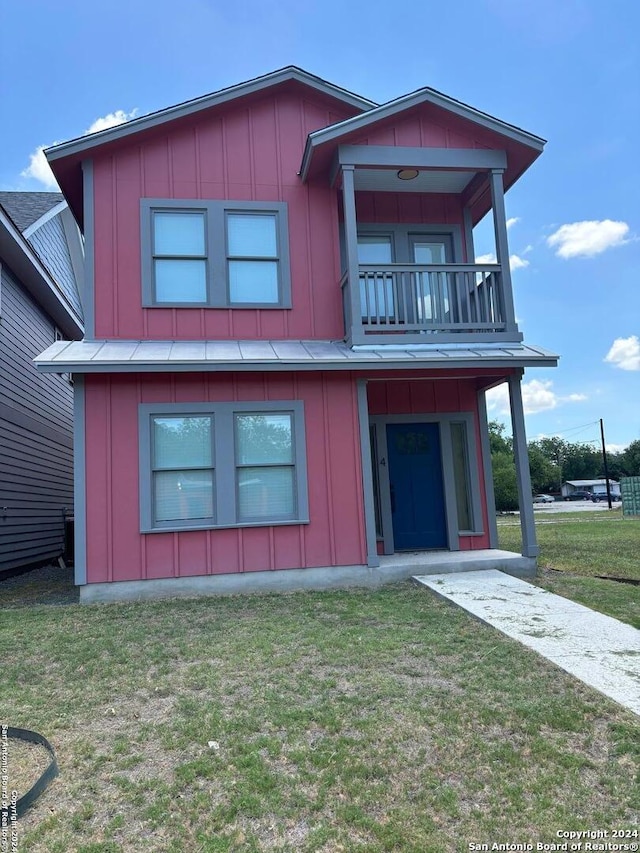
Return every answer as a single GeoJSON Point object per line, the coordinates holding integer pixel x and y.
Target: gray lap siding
{"type": "Point", "coordinates": [36, 445]}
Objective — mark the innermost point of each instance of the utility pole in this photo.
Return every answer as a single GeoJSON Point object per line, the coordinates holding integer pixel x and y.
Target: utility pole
{"type": "Point", "coordinates": [604, 459]}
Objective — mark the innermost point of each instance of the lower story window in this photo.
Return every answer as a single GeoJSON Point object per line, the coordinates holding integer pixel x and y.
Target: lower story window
{"type": "Point", "coordinates": [222, 465]}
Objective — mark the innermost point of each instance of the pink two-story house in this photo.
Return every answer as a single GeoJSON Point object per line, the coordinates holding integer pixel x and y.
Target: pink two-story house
{"type": "Point", "coordinates": [288, 340]}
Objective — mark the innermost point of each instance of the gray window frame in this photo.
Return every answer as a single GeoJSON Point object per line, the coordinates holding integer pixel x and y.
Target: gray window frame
{"type": "Point", "coordinates": [225, 499]}
{"type": "Point", "coordinates": [216, 256]}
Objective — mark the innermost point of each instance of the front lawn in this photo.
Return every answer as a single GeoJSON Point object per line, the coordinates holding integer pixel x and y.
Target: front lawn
{"type": "Point", "coordinates": [578, 547]}
{"type": "Point", "coordinates": [347, 721]}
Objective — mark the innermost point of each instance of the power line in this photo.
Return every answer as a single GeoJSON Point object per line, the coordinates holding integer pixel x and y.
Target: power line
{"type": "Point", "coordinates": [572, 429]}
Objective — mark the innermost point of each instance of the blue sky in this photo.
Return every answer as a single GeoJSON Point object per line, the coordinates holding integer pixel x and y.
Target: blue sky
{"type": "Point", "coordinates": [566, 70]}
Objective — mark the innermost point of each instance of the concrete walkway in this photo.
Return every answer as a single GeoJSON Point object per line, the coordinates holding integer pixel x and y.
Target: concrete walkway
{"type": "Point", "coordinates": [599, 650]}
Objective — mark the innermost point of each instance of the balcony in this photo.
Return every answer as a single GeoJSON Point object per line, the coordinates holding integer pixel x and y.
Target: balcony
{"type": "Point", "coordinates": [410, 276]}
{"type": "Point", "coordinates": [425, 303]}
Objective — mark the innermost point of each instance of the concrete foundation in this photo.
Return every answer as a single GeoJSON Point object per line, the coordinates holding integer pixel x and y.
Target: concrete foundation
{"type": "Point", "coordinates": [392, 568]}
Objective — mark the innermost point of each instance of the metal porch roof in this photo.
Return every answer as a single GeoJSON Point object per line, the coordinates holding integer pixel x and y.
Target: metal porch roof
{"type": "Point", "coordinates": [109, 356]}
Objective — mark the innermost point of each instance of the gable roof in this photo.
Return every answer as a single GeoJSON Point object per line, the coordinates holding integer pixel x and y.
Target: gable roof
{"type": "Point", "coordinates": [426, 95]}
{"type": "Point", "coordinates": [205, 102]}
{"type": "Point", "coordinates": [26, 208]}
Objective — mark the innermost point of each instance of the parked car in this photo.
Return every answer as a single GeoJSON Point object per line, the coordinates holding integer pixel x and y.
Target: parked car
{"type": "Point", "coordinates": [596, 497]}
{"type": "Point", "coordinates": [543, 499]}
{"type": "Point", "coordinates": [578, 495]}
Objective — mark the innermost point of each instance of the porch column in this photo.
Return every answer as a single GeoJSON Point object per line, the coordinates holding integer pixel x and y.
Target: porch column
{"type": "Point", "coordinates": [367, 475]}
{"type": "Point", "coordinates": [470, 253]}
{"type": "Point", "coordinates": [502, 248]}
{"type": "Point", "coordinates": [355, 334]}
{"type": "Point", "coordinates": [523, 475]}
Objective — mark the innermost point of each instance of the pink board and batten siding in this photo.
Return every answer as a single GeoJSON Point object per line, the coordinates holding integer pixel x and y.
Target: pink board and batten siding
{"type": "Point", "coordinates": [248, 152]}
{"type": "Point", "coordinates": [117, 551]}
{"type": "Point", "coordinates": [335, 536]}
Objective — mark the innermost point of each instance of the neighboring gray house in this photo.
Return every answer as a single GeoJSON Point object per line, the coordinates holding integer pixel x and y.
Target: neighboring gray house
{"type": "Point", "coordinates": [41, 275]}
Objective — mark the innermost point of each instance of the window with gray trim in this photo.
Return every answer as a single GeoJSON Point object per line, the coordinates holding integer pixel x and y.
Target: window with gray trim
{"type": "Point", "coordinates": [461, 475]}
{"type": "Point", "coordinates": [218, 254]}
{"type": "Point", "coordinates": [207, 465]}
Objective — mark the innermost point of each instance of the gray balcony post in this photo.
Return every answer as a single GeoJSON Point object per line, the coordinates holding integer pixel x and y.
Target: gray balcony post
{"type": "Point", "coordinates": [355, 335]}
{"type": "Point", "coordinates": [523, 475]}
{"type": "Point", "coordinates": [502, 247]}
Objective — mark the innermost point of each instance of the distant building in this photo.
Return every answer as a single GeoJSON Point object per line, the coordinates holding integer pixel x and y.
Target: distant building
{"type": "Point", "coordinates": [595, 487]}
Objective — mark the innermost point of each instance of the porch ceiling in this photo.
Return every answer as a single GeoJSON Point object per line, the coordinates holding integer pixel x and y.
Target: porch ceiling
{"type": "Point", "coordinates": [428, 181]}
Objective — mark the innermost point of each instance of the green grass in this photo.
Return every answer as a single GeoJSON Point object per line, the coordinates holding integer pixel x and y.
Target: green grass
{"type": "Point", "coordinates": [349, 721]}
{"type": "Point", "coordinates": [576, 548]}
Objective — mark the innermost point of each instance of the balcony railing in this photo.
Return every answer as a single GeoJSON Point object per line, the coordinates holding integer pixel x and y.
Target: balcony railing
{"type": "Point", "coordinates": [408, 303]}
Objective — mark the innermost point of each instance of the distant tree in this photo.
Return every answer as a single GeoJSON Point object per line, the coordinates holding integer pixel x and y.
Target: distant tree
{"type": "Point", "coordinates": [498, 441]}
{"type": "Point", "coordinates": [615, 464]}
{"type": "Point", "coordinates": [583, 462]}
{"type": "Point", "coordinates": [571, 461]}
{"type": "Point", "coordinates": [545, 474]}
{"type": "Point", "coordinates": [504, 468]}
{"type": "Point", "coordinates": [504, 481]}
{"type": "Point", "coordinates": [631, 460]}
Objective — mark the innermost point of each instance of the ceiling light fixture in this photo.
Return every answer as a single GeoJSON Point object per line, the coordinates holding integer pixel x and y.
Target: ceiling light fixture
{"type": "Point", "coordinates": [408, 174]}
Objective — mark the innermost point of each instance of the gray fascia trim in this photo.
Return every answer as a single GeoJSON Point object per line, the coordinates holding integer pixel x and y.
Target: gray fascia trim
{"type": "Point", "coordinates": [224, 470]}
{"type": "Point", "coordinates": [70, 366]}
{"type": "Point", "coordinates": [487, 468]}
{"type": "Point", "coordinates": [213, 99]}
{"type": "Point", "coordinates": [54, 211]}
{"type": "Point", "coordinates": [367, 476]}
{"type": "Point", "coordinates": [89, 301]}
{"type": "Point", "coordinates": [19, 255]}
{"type": "Point", "coordinates": [426, 95]}
{"type": "Point", "coordinates": [79, 482]}
{"type": "Point", "coordinates": [421, 158]}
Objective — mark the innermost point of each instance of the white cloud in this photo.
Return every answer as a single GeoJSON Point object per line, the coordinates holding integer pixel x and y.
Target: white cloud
{"type": "Point", "coordinates": [513, 221]}
{"type": "Point", "coordinates": [589, 238]}
{"type": "Point", "coordinates": [616, 448]}
{"type": "Point", "coordinates": [515, 261]}
{"type": "Point", "coordinates": [537, 396]}
{"type": "Point", "coordinates": [576, 398]}
{"type": "Point", "coordinates": [625, 353]}
{"type": "Point", "coordinates": [39, 169]}
{"type": "Point", "coordinates": [110, 120]}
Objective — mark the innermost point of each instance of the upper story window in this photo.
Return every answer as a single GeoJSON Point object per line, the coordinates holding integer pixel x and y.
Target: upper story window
{"type": "Point", "coordinates": [217, 254]}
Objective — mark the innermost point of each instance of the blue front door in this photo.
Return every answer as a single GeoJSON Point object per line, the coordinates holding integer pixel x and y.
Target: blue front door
{"type": "Point", "coordinates": [415, 479]}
